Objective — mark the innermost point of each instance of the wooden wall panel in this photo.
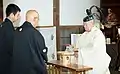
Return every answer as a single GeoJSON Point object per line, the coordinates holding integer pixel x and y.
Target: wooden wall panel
{"type": "Point", "coordinates": [110, 1]}
{"type": "Point", "coordinates": [1, 10]}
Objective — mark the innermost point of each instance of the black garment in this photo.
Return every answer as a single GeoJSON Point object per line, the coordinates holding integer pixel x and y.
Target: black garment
{"type": "Point", "coordinates": [118, 61]}
{"type": "Point", "coordinates": [6, 46]}
{"type": "Point", "coordinates": [112, 50]}
{"type": "Point", "coordinates": [29, 53]}
{"type": "Point", "coordinates": [88, 18]}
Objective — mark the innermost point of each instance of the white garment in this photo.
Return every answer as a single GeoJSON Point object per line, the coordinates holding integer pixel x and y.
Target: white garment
{"type": "Point", "coordinates": [92, 51]}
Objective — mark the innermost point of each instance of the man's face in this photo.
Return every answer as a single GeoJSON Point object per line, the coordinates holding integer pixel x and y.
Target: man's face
{"type": "Point", "coordinates": [88, 25]}
{"type": "Point", "coordinates": [36, 20]}
{"type": "Point", "coordinates": [16, 16]}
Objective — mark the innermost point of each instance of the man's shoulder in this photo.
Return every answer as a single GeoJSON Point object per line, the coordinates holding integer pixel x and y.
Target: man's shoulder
{"type": "Point", "coordinates": [37, 32]}
{"type": "Point", "coordinates": [6, 24]}
{"type": "Point", "coordinates": [2, 25]}
{"type": "Point", "coordinates": [98, 32]}
{"type": "Point", "coordinates": [34, 31]}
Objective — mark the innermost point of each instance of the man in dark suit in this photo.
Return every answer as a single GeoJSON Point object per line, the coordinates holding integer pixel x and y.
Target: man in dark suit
{"type": "Point", "coordinates": [6, 37]}
{"type": "Point", "coordinates": [29, 50]}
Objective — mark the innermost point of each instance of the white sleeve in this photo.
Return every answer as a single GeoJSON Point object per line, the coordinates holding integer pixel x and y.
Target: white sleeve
{"type": "Point", "coordinates": [98, 43]}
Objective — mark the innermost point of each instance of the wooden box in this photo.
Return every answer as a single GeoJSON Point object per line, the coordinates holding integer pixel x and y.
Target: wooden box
{"type": "Point", "coordinates": [65, 57]}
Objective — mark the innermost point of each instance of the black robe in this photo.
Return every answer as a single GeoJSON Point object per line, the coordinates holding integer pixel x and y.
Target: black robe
{"type": "Point", "coordinates": [6, 46]}
{"type": "Point", "coordinates": [29, 51]}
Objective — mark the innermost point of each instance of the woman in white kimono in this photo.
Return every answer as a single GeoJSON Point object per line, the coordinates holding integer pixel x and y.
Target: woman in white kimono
{"type": "Point", "coordinates": [92, 48]}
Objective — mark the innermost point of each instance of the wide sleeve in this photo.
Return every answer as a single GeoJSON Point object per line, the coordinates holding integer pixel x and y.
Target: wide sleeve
{"type": "Point", "coordinates": [41, 47]}
{"type": "Point", "coordinates": [97, 44]}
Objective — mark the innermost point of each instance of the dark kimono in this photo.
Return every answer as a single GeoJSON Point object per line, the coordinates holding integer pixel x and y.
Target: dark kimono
{"type": "Point", "coordinates": [6, 46]}
{"type": "Point", "coordinates": [29, 51]}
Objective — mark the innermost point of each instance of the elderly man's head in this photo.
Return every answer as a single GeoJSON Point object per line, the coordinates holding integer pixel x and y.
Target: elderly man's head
{"type": "Point", "coordinates": [32, 16]}
{"type": "Point", "coordinates": [88, 23]}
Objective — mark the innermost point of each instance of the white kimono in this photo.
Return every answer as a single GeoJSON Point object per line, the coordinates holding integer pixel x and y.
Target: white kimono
{"type": "Point", "coordinates": [92, 51]}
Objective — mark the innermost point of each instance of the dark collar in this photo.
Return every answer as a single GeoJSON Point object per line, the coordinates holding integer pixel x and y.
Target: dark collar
{"type": "Point", "coordinates": [27, 24]}
{"type": "Point", "coordinates": [7, 20]}
{"type": "Point", "coordinates": [9, 23]}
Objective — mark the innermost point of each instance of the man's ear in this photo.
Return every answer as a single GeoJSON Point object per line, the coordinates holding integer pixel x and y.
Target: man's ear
{"type": "Point", "coordinates": [12, 15]}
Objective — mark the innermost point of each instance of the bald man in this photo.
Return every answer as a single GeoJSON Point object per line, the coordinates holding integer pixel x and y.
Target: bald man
{"type": "Point", "coordinates": [29, 50]}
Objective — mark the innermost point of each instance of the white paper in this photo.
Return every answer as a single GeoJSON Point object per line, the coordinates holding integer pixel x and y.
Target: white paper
{"type": "Point", "coordinates": [74, 38]}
